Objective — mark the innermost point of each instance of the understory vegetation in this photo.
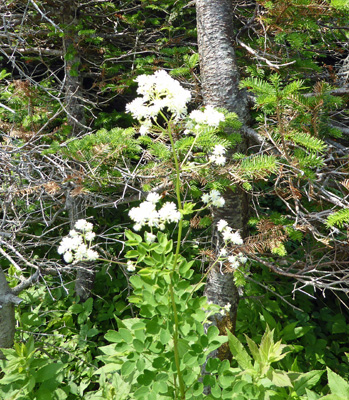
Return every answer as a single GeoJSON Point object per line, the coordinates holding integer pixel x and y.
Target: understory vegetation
{"type": "Point", "coordinates": [116, 180]}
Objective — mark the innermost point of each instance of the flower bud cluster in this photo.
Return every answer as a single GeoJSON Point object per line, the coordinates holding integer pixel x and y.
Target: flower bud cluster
{"type": "Point", "coordinates": [147, 214]}
{"type": "Point", "coordinates": [213, 198]}
{"type": "Point", "coordinates": [77, 245]}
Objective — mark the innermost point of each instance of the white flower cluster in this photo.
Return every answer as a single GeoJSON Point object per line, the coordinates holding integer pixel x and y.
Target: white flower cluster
{"type": "Point", "coordinates": [146, 214]}
{"type": "Point", "coordinates": [234, 238]}
{"type": "Point", "coordinates": [225, 309]}
{"type": "Point", "coordinates": [236, 260]}
{"type": "Point", "coordinates": [130, 266]}
{"type": "Point", "coordinates": [158, 91]}
{"type": "Point", "coordinates": [214, 198]}
{"type": "Point", "coordinates": [77, 245]}
{"type": "Point", "coordinates": [209, 116]}
{"type": "Point", "coordinates": [218, 155]}
{"type": "Point", "coordinates": [228, 234]}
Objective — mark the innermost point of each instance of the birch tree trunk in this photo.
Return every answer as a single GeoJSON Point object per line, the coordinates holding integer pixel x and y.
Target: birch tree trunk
{"type": "Point", "coordinates": [220, 88]}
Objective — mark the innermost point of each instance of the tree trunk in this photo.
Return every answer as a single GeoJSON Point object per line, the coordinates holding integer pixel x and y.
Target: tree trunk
{"type": "Point", "coordinates": [7, 313]}
{"type": "Point", "coordinates": [73, 100]}
{"type": "Point", "coordinates": [220, 88]}
{"type": "Point", "coordinates": [74, 108]}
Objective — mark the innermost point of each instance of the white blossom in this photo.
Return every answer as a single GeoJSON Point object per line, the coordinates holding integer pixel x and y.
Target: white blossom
{"type": "Point", "coordinates": [90, 236]}
{"type": "Point", "coordinates": [130, 266]}
{"type": "Point", "coordinates": [217, 156]}
{"type": "Point", "coordinates": [158, 91]}
{"type": "Point", "coordinates": [137, 227]}
{"type": "Point", "coordinates": [81, 252]}
{"type": "Point", "coordinates": [68, 257]}
{"type": "Point", "coordinates": [236, 260]}
{"type": "Point", "coordinates": [146, 213]}
{"type": "Point", "coordinates": [223, 252]}
{"type": "Point", "coordinates": [153, 197]}
{"type": "Point", "coordinates": [214, 198]}
{"type": "Point", "coordinates": [83, 225]}
{"type": "Point", "coordinates": [206, 198]}
{"type": "Point", "coordinates": [219, 150]}
{"type": "Point", "coordinates": [91, 255]}
{"type": "Point", "coordinates": [149, 237]}
{"type": "Point", "coordinates": [209, 116]}
{"type": "Point", "coordinates": [74, 247]}
{"type": "Point", "coordinates": [169, 213]}
{"type": "Point", "coordinates": [218, 202]}
{"type": "Point", "coordinates": [219, 160]}
{"type": "Point", "coordinates": [144, 129]}
{"type": "Point", "coordinates": [226, 233]}
{"type": "Point", "coordinates": [221, 225]}
{"type": "Point", "coordinates": [69, 243]}
{"type": "Point", "coordinates": [235, 238]}
{"type": "Point", "coordinates": [242, 259]}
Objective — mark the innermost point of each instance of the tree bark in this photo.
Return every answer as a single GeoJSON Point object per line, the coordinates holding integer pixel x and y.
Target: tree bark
{"type": "Point", "coordinates": [7, 313]}
{"type": "Point", "coordinates": [74, 108]}
{"type": "Point", "coordinates": [220, 88]}
{"type": "Point", "coordinates": [73, 86]}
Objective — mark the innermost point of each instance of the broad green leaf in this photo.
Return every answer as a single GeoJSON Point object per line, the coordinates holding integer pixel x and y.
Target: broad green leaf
{"type": "Point", "coordinates": [291, 331]}
{"type": "Point", "coordinates": [307, 381]}
{"type": "Point", "coordinates": [280, 379]}
{"type": "Point", "coordinates": [254, 349]}
{"type": "Point", "coordinates": [238, 351]}
{"type": "Point", "coordinates": [133, 236]}
{"type": "Point", "coordinates": [337, 384]}
{"type": "Point", "coordinates": [48, 372]}
{"type": "Point", "coordinates": [128, 367]}
{"type": "Point", "coordinates": [113, 336]}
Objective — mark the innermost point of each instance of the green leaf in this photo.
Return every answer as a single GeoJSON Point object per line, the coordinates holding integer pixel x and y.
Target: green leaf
{"type": "Point", "coordinates": [292, 332]}
{"type": "Point", "coordinates": [254, 349]}
{"type": "Point", "coordinates": [132, 254]}
{"type": "Point", "coordinates": [188, 208]}
{"type": "Point", "coordinates": [113, 336]}
{"type": "Point", "coordinates": [128, 367]}
{"type": "Point", "coordinates": [48, 372]}
{"type": "Point", "coordinates": [280, 379]}
{"type": "Point", "coordinates": [133, 236]}
{"type": "Point", "coordinates": [337, 384]}
{"type": "Point", "coordinates": [238, 351]}
{"type": "Point", "coordinates": [311, 395]}
{"type": "Point", "coordinates": [306, 381]}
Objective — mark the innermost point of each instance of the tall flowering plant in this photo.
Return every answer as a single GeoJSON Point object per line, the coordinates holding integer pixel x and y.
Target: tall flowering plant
{"type": "Point", "coordinates": [160, 352]}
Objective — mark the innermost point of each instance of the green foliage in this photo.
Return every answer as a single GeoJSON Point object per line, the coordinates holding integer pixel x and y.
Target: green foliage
{"type": "Point", "coordinates": [142, 349]}
{"type": "Point", "coordinates": [338, 218]}
{"type": "Point", "coordinates": [269, 380]}
{"type": "Point", "coordinates": [25, 376]}
{"type": "Point", "coordinates": [62, 349]}
{"type": "Point", "coordinates": [338, 386]}
{"type": "Point", "coordinates": [103, 144]}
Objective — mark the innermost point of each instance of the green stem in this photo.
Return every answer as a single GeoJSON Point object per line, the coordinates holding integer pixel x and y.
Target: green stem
{"type": "Point", "coordinates": [179, 237]}
{"type": "Point", "coordinates": [178, 193]}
